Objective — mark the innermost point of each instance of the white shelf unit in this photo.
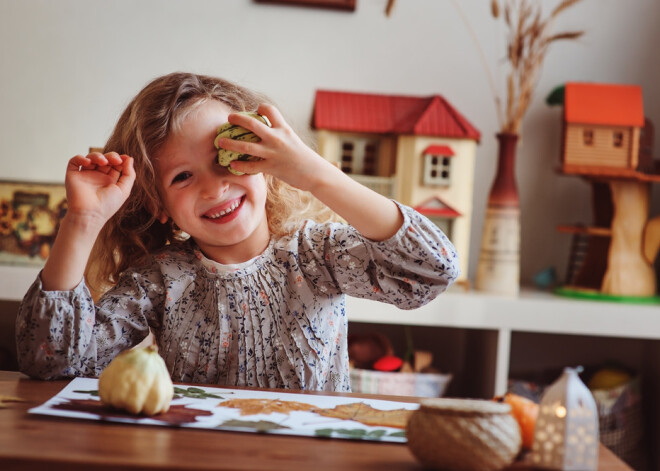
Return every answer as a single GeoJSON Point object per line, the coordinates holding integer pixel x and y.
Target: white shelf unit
{"type": "Point", "coordinates": [580, 331]}
{"type": "Point", "coordinates": [532, 311]}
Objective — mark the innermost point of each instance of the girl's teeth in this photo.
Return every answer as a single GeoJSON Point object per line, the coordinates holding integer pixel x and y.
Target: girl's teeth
{"type": "Point", "coordinates": [225, 211]}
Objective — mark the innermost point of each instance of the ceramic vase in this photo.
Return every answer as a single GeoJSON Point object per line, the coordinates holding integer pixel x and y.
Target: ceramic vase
{"type": "Point", "coordinates": [498, 269]}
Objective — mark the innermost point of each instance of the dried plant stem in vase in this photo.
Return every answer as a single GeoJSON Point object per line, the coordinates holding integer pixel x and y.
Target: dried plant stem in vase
{"type": "Point", "coordinates": [529, 37]}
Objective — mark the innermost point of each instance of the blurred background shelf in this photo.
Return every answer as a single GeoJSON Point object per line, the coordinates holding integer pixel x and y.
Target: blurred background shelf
{"type": "Point", "coordinates": [485, 340]}
{"type": "Point", "coordinates": [498, 318]}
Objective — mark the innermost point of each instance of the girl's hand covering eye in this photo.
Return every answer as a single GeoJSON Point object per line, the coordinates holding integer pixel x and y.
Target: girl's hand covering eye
{"type": "Point", "coordinates": [280, 151]}
{"type": "Point", "coordinates": [232, 131]}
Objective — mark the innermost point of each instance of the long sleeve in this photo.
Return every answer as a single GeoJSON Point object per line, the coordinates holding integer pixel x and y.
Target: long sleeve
{"type": "Point", "coordinates": [408, 270]}
{"type": "Point", "coordinates": [63, 334]}
{"type": "Point", "coordinates": [276, 321]}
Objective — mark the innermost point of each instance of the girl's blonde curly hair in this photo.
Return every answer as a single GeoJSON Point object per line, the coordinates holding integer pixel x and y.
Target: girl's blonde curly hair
{"type": "Point", "coordinates": [134, 232]}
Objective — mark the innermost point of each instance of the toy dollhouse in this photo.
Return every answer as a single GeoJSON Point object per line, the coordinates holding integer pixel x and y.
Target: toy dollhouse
{"type": "Point", "coordinates": [417, 150]}
{"type": "Point", "coordinates": [607, 141]}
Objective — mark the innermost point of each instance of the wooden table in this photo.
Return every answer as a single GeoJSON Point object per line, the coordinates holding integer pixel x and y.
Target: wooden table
{"type": "Point", "coordinates": [32, 442]}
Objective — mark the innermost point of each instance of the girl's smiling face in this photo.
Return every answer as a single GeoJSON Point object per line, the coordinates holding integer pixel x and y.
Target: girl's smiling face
{"type": "Point", "coordinates": [224, 213]}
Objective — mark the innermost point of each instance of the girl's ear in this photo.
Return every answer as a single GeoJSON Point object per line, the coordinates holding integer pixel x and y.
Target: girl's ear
{"type": "Point", "coordinates": [163, 217]}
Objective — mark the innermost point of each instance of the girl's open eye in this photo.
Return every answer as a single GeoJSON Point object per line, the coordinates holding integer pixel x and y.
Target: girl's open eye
{"type": "Point", "coordinates": [180, 177]}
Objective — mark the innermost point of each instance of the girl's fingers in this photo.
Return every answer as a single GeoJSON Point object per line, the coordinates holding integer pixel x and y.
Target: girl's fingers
{"type": "Point", "coordinates": [116, 164]}
{"type": "Point", "coordinates": [114, 158]}
{"type": "Point", "coordinates": [103, 163]}
{"type": "Point", "coordinates": [249, 123]}
{"type": "Point", "coordinates": [249, 167]}
{"type": "Point", "coordinates": [273, 115]}
{"type": "Point", "coordinates": [242, 147]}
{"type": "Point", "coordinates": [75, 163]}
{"type": "Point", "coordinates": [127, 176]}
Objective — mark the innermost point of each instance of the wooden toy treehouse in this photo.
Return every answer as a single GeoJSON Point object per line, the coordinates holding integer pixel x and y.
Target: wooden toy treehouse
{"type": "Point", "coordinates": [417, 150]}
{"type": "Point", "coordinates": [607, 141]}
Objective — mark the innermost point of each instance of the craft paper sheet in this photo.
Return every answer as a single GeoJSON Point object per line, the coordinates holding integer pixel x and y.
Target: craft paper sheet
{"type": "Point", "coordinates": [212, 408]}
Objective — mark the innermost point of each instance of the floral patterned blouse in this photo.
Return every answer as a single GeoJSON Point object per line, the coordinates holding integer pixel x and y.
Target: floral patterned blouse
{"type": "Point", "coordinates": [276, 321]}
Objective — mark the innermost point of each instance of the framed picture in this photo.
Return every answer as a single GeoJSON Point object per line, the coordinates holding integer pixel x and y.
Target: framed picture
{"type": "Point", "coordinates": [335, 4]}
{"type": "Point", "coordinates": [30, 215]}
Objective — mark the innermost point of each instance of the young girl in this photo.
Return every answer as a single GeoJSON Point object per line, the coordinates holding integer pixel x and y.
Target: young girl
{"type": "Point", "coordinates": [255, 296]}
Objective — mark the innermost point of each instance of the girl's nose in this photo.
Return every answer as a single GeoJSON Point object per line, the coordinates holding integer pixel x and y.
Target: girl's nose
{"type": "Point", "coordinates": [213, 184]}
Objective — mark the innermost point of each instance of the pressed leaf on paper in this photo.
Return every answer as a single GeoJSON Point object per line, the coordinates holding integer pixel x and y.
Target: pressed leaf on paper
{"type": "Point", "coordinates": [266, 406]}
{"type": "Point", "coordinates": [365, 414]}
{"type": "Point", "coordinates": [194, 393]}
{"type": "Point", "coordinates": [258, 425]}
{"type": "Point", "coordinates": [176, 415]}
{"type": "Point", "coordinates": [357, 433]}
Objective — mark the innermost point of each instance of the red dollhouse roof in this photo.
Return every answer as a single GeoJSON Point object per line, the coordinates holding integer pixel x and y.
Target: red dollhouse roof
{"type": "Point", "coordinates": [438, 208]}
{"type": "Point", "coordinates": [604, 104]}
{"type": "Point", "coordinates": [390, 114]}
{"type": "Point", "coordinates": [445, 151]}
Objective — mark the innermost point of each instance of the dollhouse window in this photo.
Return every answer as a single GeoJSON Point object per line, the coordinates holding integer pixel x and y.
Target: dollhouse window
{"type": "Point", "coordinates": [347, 157]}
{"type": "Point", "coordinates": [359, 156]}
{"type": "Point", "coordinates": [617, 139]}
{"type": "Point", "coordinates": [588, 137]}
{"type": "Point", "coordinates": [370, 158]}
{"type": "Point", "coordinates": [437, 165]}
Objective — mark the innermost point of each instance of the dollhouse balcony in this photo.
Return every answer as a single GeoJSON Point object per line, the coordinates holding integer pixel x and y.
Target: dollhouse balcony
{"type": "Point", "coordinates": [383, 185]}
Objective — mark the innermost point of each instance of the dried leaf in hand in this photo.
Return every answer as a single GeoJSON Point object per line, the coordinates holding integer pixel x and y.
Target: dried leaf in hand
{"type": "Point", "coordinates": [365, 414]}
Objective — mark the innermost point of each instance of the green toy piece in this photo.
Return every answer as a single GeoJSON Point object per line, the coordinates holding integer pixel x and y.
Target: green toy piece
{"type": "Point", "coordinates": [233, 131]}
{"type": "Point", "coordinates": [556, 96]}
{"type": "Point", "coordinates": [598, 296]}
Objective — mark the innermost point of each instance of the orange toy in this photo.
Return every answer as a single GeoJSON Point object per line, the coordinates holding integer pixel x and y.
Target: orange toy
{"type": "Point", "coordinates": [525, 411]}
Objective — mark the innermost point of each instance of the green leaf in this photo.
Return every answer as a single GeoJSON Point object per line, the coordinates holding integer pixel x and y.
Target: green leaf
{"type": "Point", "coordinates": [323, 432]}
{"type": "Point", "coordinates": [261, 426]}
{"type": "Point", "coordinates": [556, 96]}
{"type": "Point", "coordinates": [357, 433]}
{"type": "Point", "coordinates": [91, 392]}
{"type": "Point", "coordinates": [194, 393]}
{"type": "Point", "coordinates": [376, 433]}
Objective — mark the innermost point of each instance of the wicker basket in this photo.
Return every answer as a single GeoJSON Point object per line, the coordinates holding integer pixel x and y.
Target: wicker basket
{"type": "Point", "coordinates": [399, 384]}
{"type": "Point", "coordinates": [464, 434]}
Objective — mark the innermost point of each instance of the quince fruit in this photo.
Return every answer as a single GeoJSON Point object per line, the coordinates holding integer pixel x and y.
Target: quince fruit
{"type": "Point", "coordinates": [137, 381]}
{"type": "Point", "coordinates": [609, 378]}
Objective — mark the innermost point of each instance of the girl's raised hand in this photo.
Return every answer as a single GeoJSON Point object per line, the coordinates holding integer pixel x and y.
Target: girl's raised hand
{"type": "Point", "coordinates": [96, 187]}
{"type": "Point", "coordinates": [284, 155]}
{"type": "Point", "coordinates": [98, 184]}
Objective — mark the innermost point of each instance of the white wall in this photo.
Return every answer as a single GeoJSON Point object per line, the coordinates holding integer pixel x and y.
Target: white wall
{"type": "Point", "coordinates": [70, 66]}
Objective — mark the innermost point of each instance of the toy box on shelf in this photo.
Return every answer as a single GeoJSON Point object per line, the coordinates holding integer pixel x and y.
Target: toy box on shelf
{"type": "Point", "coordinates": [376, 370]}
{"type": "Point", "coordinates": [399, 384]}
